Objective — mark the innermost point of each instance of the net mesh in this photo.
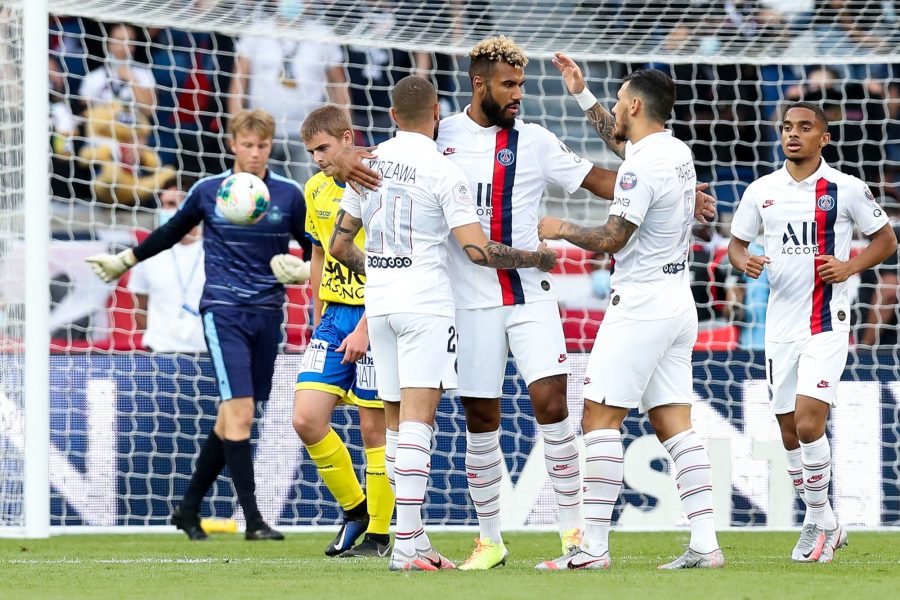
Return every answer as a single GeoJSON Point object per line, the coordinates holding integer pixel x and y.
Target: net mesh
{"type": "Point", "coordinates": [127, 424]}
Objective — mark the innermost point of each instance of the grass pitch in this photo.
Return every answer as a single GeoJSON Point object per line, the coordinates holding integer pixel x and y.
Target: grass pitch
{"type": "Point", "coordinates": [169, 566]}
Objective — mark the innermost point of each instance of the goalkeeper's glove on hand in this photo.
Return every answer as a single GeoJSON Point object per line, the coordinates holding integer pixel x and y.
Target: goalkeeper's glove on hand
{"type": "Point", "coordinates": [289, 269]}
{"type": "Point", "coordinates": [110, 267]}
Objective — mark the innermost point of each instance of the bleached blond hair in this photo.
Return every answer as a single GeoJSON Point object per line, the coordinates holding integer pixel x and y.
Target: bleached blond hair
{"type": "Point", "coordinates": [487, 53]}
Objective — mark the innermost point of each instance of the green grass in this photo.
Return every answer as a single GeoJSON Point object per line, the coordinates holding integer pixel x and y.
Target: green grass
{"type": "Point", "coordinates": [168, 566]}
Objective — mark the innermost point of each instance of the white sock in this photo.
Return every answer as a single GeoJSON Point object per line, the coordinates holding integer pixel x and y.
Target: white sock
{"type": "Point", "coordinates": [390, 455]}
{"type": "Point", "coordinates": [694, 478]}
{"type": "Point", "coordinates": [795, 471]}
{"type": "Point", "coordinates": [561, 460]}
{"type": "Point", "coordinates": [817, 479]}
{"type": "Point", "coordinates": [484, 472]}
{"type": "Point", "coordinates": [411, 471]}
{"type": "Point", "coordinates": [603, 472]}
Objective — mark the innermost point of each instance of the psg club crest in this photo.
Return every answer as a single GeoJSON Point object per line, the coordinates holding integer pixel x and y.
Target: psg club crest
{"type": "Point", "coordinates": [628, 181]}
{"type": "Point", "coordinates": [825, 202]}
{"type": "Point", "coordinates": [506, 157]}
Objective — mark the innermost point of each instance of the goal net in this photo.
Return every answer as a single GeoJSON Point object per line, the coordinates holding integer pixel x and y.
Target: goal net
{"type": "Point", "coordinates": [142, 109]}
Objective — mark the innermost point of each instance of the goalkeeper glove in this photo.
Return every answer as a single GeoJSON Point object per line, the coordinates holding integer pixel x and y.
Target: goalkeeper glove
{"type": "Point", "coordinates": [289, 269]}
{"type": "Point", "coordinates": [109, 267]}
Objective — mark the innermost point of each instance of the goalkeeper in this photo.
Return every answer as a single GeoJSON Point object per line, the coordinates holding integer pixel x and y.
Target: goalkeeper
{"type": "Point", "coordinates": [241, 309]}
{"type": "Point", "coordinates": [337, 366]}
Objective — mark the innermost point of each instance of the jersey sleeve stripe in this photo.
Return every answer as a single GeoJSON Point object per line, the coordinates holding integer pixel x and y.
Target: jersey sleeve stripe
{"type": "Point", "coordinates": [501, 203]}
{"type": "Point", "coordinates": [826, 215]}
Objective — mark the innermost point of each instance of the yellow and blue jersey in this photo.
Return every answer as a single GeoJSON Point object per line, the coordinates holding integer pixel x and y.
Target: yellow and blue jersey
{"type": "Point", "coordinates": [323, 199]}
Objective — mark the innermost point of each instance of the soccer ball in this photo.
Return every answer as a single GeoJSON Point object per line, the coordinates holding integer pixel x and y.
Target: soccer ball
{"type": "Point", "coordinates": [242, 199]}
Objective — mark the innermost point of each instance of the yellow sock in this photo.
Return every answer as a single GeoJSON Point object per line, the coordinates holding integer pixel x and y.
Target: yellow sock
{"type": "Point", "coordinates": [336, 469]}
{"type": "Point", "coordinates": [379, 494]}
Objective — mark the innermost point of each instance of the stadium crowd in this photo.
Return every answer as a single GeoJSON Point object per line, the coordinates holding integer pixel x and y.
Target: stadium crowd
{"type": "Point", "coordinates": [137, 110]}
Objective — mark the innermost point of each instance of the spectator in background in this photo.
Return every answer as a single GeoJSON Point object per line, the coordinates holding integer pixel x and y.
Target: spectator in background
{"type": "Point", "coordinates": [193, 74]}
{"type": "Point", "coordinates": [289, 78]}
{"type": "Point", "coordinates": [120, 78]}
{"type": "Point", "coordinates": [855, 27]}
{"type": "Point", "coordinates": [706, 273]}
{"type": "Point", "coordinates": [877, 307]}
{"type": "Point", "coordinates": [372, 72]}
{"type": "Point", "coordinates": [168, 286]}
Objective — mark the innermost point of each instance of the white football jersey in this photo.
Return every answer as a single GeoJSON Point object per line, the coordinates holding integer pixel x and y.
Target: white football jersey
{"type": "Point", "coordinates": [801, 220]}
{"type": "Point", "coordinates": [508, 171]}
{"type": "Point", "coordinates": [655, 190]}
{"type": "Point", "coordinates": [407, 221]}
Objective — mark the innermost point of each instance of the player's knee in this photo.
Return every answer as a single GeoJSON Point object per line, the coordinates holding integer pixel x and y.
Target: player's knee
{"type": "Point", "coordinates": [482, 415]}
{"type": "Point", "coordinates": [809, 429]}
{"type": "Point", "coordinates": [548, 397]}
{"type": "Point", "coordinates": [309, 429]}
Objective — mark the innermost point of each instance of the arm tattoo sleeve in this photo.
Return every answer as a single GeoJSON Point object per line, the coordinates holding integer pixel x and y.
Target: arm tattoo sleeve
{"type": "Point", "coordinates": [604, 124]}
{"type": "Point", "coordinates": [343, 249]}
{"type": "Point", "coordinates": [500, 256]}
{"type": "Point", "coordinates": [607, 238]}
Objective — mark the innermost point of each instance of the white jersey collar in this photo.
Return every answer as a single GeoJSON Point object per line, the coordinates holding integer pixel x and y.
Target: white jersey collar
{"type": "Point", "coordinates": [631, 148]}
{"type": "Point", "coordinates": [822, 171]}
{"type": "Point", "coordinates": [413, 138]}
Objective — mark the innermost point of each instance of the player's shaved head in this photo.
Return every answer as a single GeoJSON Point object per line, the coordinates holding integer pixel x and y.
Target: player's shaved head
{"type": "Point", "coordinates": [485, 55]}
{"type": "Point", "coordinates": [816, 110]}
{"type": "Point", "coordinates": [655, 89]}
{"type": "Point", "coordinates": [413, 100]}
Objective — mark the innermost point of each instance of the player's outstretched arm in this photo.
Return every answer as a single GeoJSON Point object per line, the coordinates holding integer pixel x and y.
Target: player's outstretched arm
{"type": "Point", "coordinates": [110, 267]}
{"type": "Point", "coordinates": [603, 121]}
{"type": "Point", "coordinates": [608, 238]}
{"type": "Point", "coordinates": [350, 168]}
{"type": "Point", "coordinates": [346, 226]}
{"type": "Point", "coordinates": [488, 253]}
{"type": "Point", "coordinates": [740, 258]}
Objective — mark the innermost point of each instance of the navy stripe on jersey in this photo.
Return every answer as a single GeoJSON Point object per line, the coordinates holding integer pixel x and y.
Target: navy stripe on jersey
{"type": "Point", "coordinates": [504, 179]}
{"type": "Point", "coordinates": [826, 215]}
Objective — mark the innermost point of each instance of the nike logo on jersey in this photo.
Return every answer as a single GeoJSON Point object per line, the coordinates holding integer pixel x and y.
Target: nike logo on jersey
{"type": "Point", "coordinates": [768, 203]}
{"type": "Point", "coordinates": [562, 358]}
{"type": "Point", "coordinates": [823, 384]}
{"type": "Point", "coordinates": [449, 151]}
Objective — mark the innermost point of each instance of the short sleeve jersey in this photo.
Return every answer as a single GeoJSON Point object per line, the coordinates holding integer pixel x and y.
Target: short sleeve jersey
{"type": "Point", "coordinates": [508, 171]}
{"type": "Point", "coordinates": [237, 256]}
{"type": "Point", "coordinates": [323, 199]}
{"type": "Point", "coordinates": [801, 220]}
{"type": "Point", "coordinates": [655, 190]}
{"type": "Point", "coordinates": [407, 222]}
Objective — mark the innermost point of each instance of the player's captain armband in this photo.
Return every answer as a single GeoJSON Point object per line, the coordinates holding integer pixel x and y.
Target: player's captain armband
{"type": "Point", "coordinates": [314, 357]}
{"type": "Point", "coordinates": [365, 373]}
{"type": "Point", "coordinates": [462, 194]}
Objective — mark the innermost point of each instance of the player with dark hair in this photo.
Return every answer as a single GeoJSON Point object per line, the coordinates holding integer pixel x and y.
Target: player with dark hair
{"type": "Point", "coordinates": [337, 367]}
{"type": "Point", "coordinates": [642, 356]}
{"type": "Point", "coordinates": [409, 300]}
{"type": "Point", "coordinates": [241, 309]}
{"type": "Point", "coordinates": [806, 212]}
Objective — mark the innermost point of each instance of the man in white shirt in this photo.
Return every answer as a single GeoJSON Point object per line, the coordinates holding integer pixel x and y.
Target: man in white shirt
{"type": "Point", "coordinates": [120, 78]}
{"type": "Point", "coordinates": [806, 212]}
{"type": "Point", "coordinates": [289, 78]}
{"type": "Point", "coordinates": [168, 287]}
{"type": "Point", "coordinates": [409, 300]}
{"type": "Point", "coordinates": [642, 356]}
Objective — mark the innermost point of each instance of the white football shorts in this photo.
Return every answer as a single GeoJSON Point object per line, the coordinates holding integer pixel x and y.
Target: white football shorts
{"type": "Point", "coordinates": [532, 331]}
{"type": "Point", "coordinates": [642, 364]}
{"type": "Point", "coordinates": [412, 351]}
{"type": "Point", "coordinates": [809, 367]}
